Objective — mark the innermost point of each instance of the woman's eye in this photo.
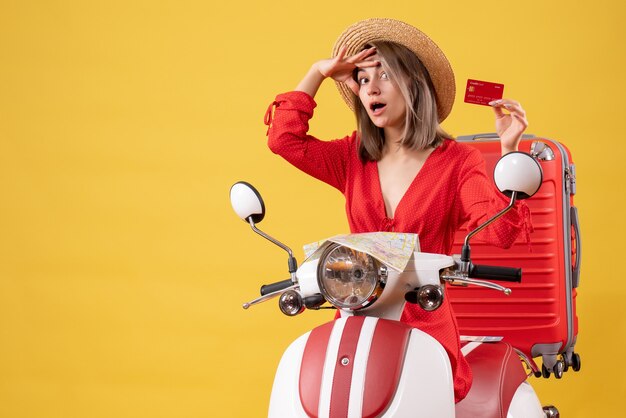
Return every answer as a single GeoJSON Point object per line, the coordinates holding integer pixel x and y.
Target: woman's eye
{"type": "Point", "coordinates": [384, 76]}
{"type": "Point", "coordinates": [362, 80]}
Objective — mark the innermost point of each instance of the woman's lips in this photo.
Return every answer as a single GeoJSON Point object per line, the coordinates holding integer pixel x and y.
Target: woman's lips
{"type": "Point", "coordinates": [377, 108]}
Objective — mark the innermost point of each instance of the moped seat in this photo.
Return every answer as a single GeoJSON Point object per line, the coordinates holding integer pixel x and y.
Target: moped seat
{"type": "Point", "coordinates": [497, 373]}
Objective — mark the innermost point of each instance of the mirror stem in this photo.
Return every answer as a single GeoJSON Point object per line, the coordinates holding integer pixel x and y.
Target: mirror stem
{"type": "Point", "coordinates": [293, 264]}
{"type": "Point", "coordinates": [465, 252]}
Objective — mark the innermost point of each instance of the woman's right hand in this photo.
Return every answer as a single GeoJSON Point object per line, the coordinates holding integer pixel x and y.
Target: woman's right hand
{"type": "Point", "coordinates": [340, 68]}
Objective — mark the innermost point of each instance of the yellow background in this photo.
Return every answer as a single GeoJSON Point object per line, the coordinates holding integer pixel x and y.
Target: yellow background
{"type": "Point", "coordinates": [123, 125]}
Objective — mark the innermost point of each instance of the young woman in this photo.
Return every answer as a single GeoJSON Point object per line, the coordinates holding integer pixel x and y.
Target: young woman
{"type": "Point", "coordinates": [400, 171]}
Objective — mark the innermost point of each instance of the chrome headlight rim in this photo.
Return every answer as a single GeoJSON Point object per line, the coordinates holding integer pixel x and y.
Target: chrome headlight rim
{"type": "Point", "coordinates": [381, 278]}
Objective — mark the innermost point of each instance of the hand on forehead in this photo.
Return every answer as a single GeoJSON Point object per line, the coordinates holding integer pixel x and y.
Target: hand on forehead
{"type": "Point", "coordinates": [373, 57]}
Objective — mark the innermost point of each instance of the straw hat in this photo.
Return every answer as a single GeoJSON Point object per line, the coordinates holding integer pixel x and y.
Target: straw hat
{"type": "Point", "coordinates": [377, 29]}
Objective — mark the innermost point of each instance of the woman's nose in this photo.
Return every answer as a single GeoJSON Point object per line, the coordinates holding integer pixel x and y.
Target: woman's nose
{"type": "Point", "coordinates": [372, 88]}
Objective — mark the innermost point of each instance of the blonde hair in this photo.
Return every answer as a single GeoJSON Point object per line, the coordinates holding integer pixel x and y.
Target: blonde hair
{"type": "Point", "coordinates": [421, 124]}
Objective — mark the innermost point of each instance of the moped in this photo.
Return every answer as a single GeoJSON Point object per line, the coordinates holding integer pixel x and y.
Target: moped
{"type": "Point", "coordinates": [366, 363]}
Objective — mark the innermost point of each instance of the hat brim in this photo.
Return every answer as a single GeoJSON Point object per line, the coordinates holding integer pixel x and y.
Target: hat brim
{"type": "Point", "coordinates": [355, 37]}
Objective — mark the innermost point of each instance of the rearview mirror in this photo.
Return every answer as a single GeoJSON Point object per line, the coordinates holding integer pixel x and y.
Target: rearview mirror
{"type": "Point", "coordinates": [247, 202]}
{"type": "Point", "coordinates": [518, 172]}
{"type": "Point", "coordinates": [517, 175]}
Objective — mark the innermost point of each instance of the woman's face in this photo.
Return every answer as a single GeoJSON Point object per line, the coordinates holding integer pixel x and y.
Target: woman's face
{"type": "Point", "coordinates": [381, 97]}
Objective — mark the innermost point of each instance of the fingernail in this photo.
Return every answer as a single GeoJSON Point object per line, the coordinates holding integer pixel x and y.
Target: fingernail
{"type": "Point", "coordinates": [508, 106]}
{"type": "Point", "coordinates": [494, 102]}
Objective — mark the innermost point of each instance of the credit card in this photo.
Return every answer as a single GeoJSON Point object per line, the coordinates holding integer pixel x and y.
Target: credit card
{"type": "Point", "coordinates": [482, 92]}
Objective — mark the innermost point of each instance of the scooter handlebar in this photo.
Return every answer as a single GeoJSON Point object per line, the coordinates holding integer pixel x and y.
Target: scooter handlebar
{"type": "Point", "coordinates": [496, 273]}
{"type": "Point", "coordinates": [275, 287]}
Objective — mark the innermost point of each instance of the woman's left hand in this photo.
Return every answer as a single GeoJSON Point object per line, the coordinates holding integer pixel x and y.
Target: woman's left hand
{"type": "Point", "coordinates": [509, 126]}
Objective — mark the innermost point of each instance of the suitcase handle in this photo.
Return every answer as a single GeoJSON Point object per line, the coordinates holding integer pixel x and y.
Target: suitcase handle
{"type": "Point", "coordinates": [488, 135]}
{"type": "Point", "coordinates": [576, 225]}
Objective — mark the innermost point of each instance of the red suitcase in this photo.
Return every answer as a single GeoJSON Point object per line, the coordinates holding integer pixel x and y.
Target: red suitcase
{"type": "Point", "coordinates": [539, 317]}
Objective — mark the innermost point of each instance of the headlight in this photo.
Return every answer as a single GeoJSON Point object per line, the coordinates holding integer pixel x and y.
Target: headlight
{"type": "Point", "coordinates": [350, 279]}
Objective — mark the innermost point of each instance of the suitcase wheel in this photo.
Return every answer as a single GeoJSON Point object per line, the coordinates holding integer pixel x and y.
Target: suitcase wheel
{"type": "Point", "coordinates": [567, 359]}
{"type": "Point", "coordinates": [576, 362]}
{"type": "Point", "coordinates": [571, 359]}
{"type": "Point", "coordinates": [558, 369]}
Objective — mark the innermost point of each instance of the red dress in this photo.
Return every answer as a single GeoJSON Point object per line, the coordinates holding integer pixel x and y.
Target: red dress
{"type": "Point", "coordinates": [450, 189]}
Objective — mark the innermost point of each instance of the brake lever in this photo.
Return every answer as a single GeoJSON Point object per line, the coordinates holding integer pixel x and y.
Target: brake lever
{"type": "Point", "coordinates": [268, 296]}
{"type": "Point", "coordinates": [464, 281]}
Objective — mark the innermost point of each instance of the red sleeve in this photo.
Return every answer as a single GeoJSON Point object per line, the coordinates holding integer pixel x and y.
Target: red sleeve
{"type": "Point", "coordinates": [288, 137]}
{"type": "Point", "coordinates": [480, 200]}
